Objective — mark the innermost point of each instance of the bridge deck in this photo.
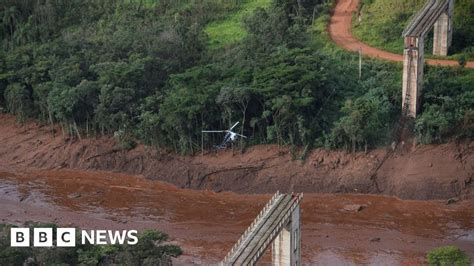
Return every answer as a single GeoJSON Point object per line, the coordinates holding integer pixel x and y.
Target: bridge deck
{"type": "Point", "coordinates": [424, 20]}
{"type": "Point", "coordinates": [263, 230]}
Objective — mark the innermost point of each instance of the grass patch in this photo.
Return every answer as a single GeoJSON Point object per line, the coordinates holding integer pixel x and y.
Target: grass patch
{"type": "Point", "coordinates": [230, 30]}
{"type": "Point", "coordinates": [383, 22]}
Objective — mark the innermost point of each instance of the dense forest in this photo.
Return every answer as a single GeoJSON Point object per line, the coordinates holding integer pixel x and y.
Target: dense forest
{"type": "Point", "coordinates": [156, 72]}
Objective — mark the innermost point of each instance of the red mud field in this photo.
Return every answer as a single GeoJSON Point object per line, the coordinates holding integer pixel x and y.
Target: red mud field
{"type": "Point", "coordinates": [386, 231]}
{"type": "Point", "coordinates": [412, 172]}
{"type": "Point", "coordinates": [51, 179]}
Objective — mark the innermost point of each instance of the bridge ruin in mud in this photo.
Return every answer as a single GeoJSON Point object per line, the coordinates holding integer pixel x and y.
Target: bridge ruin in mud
{"type": "Point", "coordinates": [278, 224]}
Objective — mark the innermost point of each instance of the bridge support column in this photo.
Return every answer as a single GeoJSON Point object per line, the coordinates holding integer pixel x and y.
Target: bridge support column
{"type": "Point", "coordinates": [413, 61]}
{"type": "Point", "coordinates": [281, 248]}
{"type": "Point", "coordinates": [286, 248]}
{"type": "Point", "coordinates": [443, 31]}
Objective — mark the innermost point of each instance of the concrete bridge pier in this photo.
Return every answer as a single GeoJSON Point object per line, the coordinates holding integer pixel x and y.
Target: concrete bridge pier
{"type": "Point", "coordinates": [277, 225]}
{"type": "Point", "coordinates": [443, 31]}
{"type": "Point", "coordinates": [286, 248]}
{"type": "Point", "coordinates": [413, 61]}
{"type": "Point", "coordinates": [437, 14]}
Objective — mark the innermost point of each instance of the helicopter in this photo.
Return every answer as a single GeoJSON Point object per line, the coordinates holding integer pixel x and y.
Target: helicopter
{"type": "Point", "coordinates": [229, 137]}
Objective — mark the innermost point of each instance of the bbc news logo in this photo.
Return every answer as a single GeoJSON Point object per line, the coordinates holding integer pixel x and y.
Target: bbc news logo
{"type": "Point", "coordinates": [66, 237]}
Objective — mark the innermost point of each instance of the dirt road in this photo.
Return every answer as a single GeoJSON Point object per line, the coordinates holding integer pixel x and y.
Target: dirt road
{"type": "Point", "coordinates": [340, 32]}
{"type": "Point", "coordinates": [386, 231]}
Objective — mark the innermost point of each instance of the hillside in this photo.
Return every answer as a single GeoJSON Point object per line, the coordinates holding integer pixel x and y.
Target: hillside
{"type": "Point", "coordinates": [383, 22]}
{"type": "Point", "coordinates": [158, 73]}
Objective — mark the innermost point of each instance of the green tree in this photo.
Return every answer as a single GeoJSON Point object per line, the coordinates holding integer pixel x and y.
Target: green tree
{"type": "Point", "coordinates": [447, 256]}
{"type": "Point", "coordinates": [432, 125]}
{"type": "Point", "coordinates": [294, 82]}
{"type": "Point", "coordinates": [235, 98]}
{"type": "Point", "coordinates": [364, 123]}
{"type": "Point", "coordinates": [116, 108]}
{"type": "Point", "coordinates": [19, 101]}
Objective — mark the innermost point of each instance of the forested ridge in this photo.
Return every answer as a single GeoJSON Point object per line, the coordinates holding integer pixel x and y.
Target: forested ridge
{"type": "Point", "coordinates": [148, 71]}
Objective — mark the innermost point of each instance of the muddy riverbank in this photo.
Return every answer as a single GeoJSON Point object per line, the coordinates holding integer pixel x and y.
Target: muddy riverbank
{"type": "Point", "coordinates": [412, 172]}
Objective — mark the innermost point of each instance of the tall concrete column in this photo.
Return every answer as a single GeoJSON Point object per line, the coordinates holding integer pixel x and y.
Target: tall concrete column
{"type": "Point", "coordinates": [286, 248]}
{"type": "Point", "coordinates": [443, 31]}
{"type": "Point", "coordinates": [413, 61]}
{"type": "Point", "coordinates": [296, 237]}
{"type": "Point", "coordinates": [281, 248]}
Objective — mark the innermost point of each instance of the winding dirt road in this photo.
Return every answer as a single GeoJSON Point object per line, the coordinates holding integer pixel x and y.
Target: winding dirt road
{"type": "Point", "coordinates": [340, 32]}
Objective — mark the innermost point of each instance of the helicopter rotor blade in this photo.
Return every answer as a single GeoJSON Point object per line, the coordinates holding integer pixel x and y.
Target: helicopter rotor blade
{"type": "Point", "coordinates": [233, 126]}
{"type": "Point", "coordinates": [213, 131]}
{"type": "Point", "coordinates": [241, 135]}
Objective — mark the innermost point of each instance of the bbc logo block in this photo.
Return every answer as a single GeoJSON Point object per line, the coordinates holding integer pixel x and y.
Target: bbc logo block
{"type": "Point", "coordinates": [66, 237]}
{"type": "Point", "coordinates": [43, 237]}
{"type": "Point", "coordinates": [20, 237]}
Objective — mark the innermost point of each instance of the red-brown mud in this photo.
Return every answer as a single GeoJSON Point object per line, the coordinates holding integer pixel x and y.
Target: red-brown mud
{"type": "Point", "coordinates": [206, 224]}
{"type": "Point", "coordinates": [421, 172]}
{"type": "Point", "coordinates": [51, 179]}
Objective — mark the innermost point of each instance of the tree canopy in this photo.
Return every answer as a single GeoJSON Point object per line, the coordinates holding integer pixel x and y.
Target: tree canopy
{"type": "Point", "coordinates": [147, 71]}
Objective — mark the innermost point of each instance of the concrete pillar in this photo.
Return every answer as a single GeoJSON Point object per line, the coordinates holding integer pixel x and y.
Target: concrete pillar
{"type": "Point", "coordinates": [443, 31]}
{"type": "Point", "coordinates": [296, 237]}
{"type": "Point", "coordinates": [281, 247]}
{"type": "Point", "coordinates": [413, 61]}
{"type": "Point", "coordinates": [286, 248]}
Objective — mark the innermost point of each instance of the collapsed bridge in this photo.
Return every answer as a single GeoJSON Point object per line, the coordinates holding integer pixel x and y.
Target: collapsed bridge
{"type": "Point", "coordinates": [278, 224]}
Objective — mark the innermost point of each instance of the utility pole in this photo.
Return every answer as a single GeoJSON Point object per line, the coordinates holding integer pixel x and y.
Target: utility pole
{"type": "Point", "coordinates": [360, 63]}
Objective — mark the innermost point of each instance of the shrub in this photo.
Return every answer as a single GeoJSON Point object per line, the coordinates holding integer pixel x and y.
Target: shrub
{"type": "Point", "coordinates": [449, 255]}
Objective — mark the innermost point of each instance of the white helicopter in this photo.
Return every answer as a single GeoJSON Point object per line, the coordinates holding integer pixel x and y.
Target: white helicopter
{"type": "Point", "coordinates": [229, 137]}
